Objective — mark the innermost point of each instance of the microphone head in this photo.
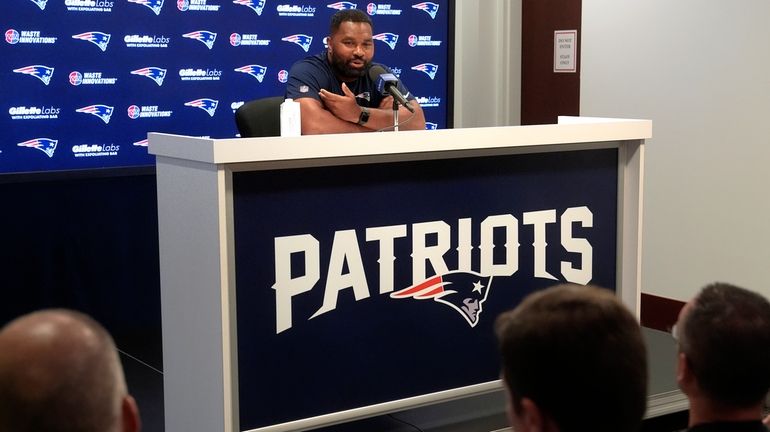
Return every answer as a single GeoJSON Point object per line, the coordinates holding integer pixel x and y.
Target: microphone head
{"type": "Point", "coordinates": [375, 71]}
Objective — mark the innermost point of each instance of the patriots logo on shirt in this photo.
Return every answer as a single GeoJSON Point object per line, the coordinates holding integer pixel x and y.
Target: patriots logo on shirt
{"type": "Point", "coordinates": [254, 70]}
{"type": "Point", "coordinates": [43, 73]}
{"type": "Point", "coordinates": [203, 36]}
{"type": "Point", "coordinates": [429, 69]}
{"type": "Point", "coordinates": [40, 3]}
{"type": "Point", "coordinates": [45, 145]}
{"type": "Point", "coordinates": [256, 5]}
{"type": "Point", "coordinates": [365, 95]}
{"type": "Point", "coordinates": [303, 41]}
{"type": "Point", "coordinates": [208, 105]}
{"type": "Point", "coordinates": [388, 38]}
{"type": "Point", "coordinates": [104, 112]}
{"type": "Point", "coordinates": [342, 5]}
{"type": "Point", "coordinates": [155, 5]}
{"type": "Point", "coordinates": [97, 38]}
{"type": "Point", "coordinates": [465, 292]}
{"type": "Point", "coordinates": [427, 7]}
{"type": "Point", "coordinates": [154, 73]}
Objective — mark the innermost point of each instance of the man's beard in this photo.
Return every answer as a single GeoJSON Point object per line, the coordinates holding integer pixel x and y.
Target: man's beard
{"type": "Point", "coordinates": [342, 69]}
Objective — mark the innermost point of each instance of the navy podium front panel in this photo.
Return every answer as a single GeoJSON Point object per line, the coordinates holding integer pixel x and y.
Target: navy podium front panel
{"type": "Point", "coordinates": [363, 284]}
{"type": "Point", "coordinates": [84, 81]}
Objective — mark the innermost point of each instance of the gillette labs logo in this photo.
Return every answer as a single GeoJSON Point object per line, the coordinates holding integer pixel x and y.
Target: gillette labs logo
{"type": "Point", "coordinates": [34, 113]}
{"type": "Point", "coordinates": [190, 74]}
{"type": "Point", "coordinates": [89, 5]}
{"type": "Point", "coordinates": [95, 150]}
{"type": "Point", "coordinates": [146, 41]}
{"type": "Point", "coordinates": [295, 11]}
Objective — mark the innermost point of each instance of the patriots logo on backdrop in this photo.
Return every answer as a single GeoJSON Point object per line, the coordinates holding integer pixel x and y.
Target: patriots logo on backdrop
{"type": "Point", "coordinates": [256, 5]}
{"type": "Point", "coordinates": [431, 126]}
{"type": "Point", "coordinates": [40, 3]}
{"type": "Point", "coordinates": [208, 105]}
{"type": "Point", "coordinates": [104, 112]}
{"type": "Point", "coordinates": [342, 5]}
{"type": "Point", "coordinates": [427, 7]}
{"type": "Point", "coordinates": [154, 73]}
{"type": "Point", "coordinates": [206, 37]}
{"type": "Point", "coordinates": [155, 5]}
{"type": "Point", "coordinates": [97, 38]}
{"type": "Point", "coordinates": [142, 143]}
{"type": "Point", "coordinates": [45, 145]}
{"type": "Point", "coordinates": [254, 70]}
{"type": "Point", "coordinates": [465, 292]}
{"type": "Point", "coordinates": [303, 41]}
{"type": "Point", "coordinates": [12, 36]}
{"type": "Point", "coordinates": [429, 68]}
{"type": "Point", "coordinates": [388, 38]}
{"type": "Point", "coordinates": [43, 73]}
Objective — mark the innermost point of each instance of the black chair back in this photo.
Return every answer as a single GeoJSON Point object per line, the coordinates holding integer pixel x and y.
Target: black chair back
{"type": "Point", "coordinates": [260, 117]}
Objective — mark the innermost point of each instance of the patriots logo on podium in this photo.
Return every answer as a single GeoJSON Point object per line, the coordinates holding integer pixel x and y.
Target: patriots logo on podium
{"type": "Point", "coordinates": [97, 38]}
{"type": "Point", "coordinates": [256, 5]}
{"type": "Point", "coordinates": [43, 73]}
{"type": "Point", "coordinates": [40, 3]}
{"type": "Point", "coordinates": [254, 70]}
{"type": "Point", "coordinates": [427, 7]}
{"type": "Point", "coordinates": [431, 126]}
{"type": "Point", "coordinates": [342, 5]}
{"type": "Point", "coordinates": [208, 105]}
{"type": "Point", "coordinates": [388, 38]}
{"type": "Point", "coordinates": [465, 292]}
{"type": "Point", "coordinates": [104, 112]}
{"type": "Point", "coordinates": [303, 41]}
{"type": "Point", "coordinates": [206, 37]}
{"type": "Point", "coordinates": [155, 5]}
{"type": "Point", "coordinates": [154, 73]}
{"type": "Point", "coordinates": [45, 145]}
{"type": "Point", "coordinates": [429, 68]}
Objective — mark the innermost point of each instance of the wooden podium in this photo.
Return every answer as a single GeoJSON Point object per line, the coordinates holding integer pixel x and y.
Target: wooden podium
{"type": "Point", "coordinates": [313, 235]}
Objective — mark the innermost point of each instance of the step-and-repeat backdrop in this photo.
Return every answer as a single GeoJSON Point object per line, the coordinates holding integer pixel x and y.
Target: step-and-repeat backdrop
{"type": "Point", "coordinates": [83, 81]}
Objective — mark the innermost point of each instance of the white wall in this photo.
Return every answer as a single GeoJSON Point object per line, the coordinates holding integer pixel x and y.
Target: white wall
{"type": "Point", "coordinates": [487, 63]}
{"type": "Point", "coordinates": [700, 69]}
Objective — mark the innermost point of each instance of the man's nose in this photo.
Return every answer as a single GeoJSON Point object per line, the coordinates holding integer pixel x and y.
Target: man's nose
{"type": "Point", "coordinates": [358, 50]}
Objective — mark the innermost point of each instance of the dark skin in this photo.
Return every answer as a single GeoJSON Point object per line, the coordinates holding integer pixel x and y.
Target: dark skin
{"type": "Point", "coordinates": [352, 48]}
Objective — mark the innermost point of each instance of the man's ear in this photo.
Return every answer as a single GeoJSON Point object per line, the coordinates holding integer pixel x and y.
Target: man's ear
{"type": "Point", "coordinates": [684, 376]}
{"type": "Point", "coordinates": [130, 415]}
{"type": "Point", "coordinates": [531, 417]}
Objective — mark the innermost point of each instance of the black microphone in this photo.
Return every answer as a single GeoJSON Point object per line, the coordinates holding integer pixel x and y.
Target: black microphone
{"type": "Point", "coordinates": [387, 83]}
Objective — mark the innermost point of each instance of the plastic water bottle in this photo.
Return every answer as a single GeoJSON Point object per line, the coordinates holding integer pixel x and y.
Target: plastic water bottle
{"type": "Point", "coordinates": [291, 124]}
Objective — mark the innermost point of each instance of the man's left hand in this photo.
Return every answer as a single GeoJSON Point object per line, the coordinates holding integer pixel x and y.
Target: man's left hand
{"type": "Point", "coordinates": [343, 107]}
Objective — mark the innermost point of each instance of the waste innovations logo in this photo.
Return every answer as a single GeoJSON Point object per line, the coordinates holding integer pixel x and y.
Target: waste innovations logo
{"type": "Point", "coordinates": [423, 41]}
{"type": "Point", "coordinates": [427, 7]}
{"type": "Point", "coordinates": [34, 113]}
{"type": "Point", "coordinates": [304, 41]}
{"type": "Point", "coordinates": [40, 3]}
{"type": "Point", "coordinates": [45, 145]}
{"type": "Point", "coordinates": [197, 5]}
{"type": "Point", "coordinates": [41, 72]}
{"type": "Point", "coordinates": [33, 37]}
{"type": "Point", "coordinates": [146, 41]}
{"type": "Point", "coordinates": [389, 38]}
{"type": "Point", "coordinates": [289, 10]}
{"type": "Point", "coordinates": [255, 70]}
{"type": "Point", "coordinates": [147, 111]}
{"type": "Point", "coordinates": [154, 5]}
{"type": "Point", "coordinates": [382, 9]}
{"type": "Point", "coordinates": [90, 78]}
{"type": "Point", "coordinates": [190, 74]}
{"type": "Point", "coordinates": [97, 38]}
{"type": "Point", "coordinates": [154, 73]}
{"type": "Point", "coordinates": [104, 112]}
{"type": "Point", "coordinates": [208, 105]}
{"type": "Point", "coordinates": [429, 101]}
{"type": "Point", "coordinates": [203, 36]}
{"type": "Point", "coordinates": [428, 68]}
{"type": "Point", "coordinates": [237, 39]}
{"type": "Point", "coordinates": [255, 5]}
{"type": "Point", "coordinates": [283, 76]}
{"type": "Point", "coordinates": [95, 150]}
{"type": "Point", "coordinates": [342, 5]}
{"type": "Point", "coordinates": [89, 5]}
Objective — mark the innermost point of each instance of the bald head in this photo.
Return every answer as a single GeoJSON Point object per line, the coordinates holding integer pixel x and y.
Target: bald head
{"type": "Point", "coordinates": [59, 371]}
